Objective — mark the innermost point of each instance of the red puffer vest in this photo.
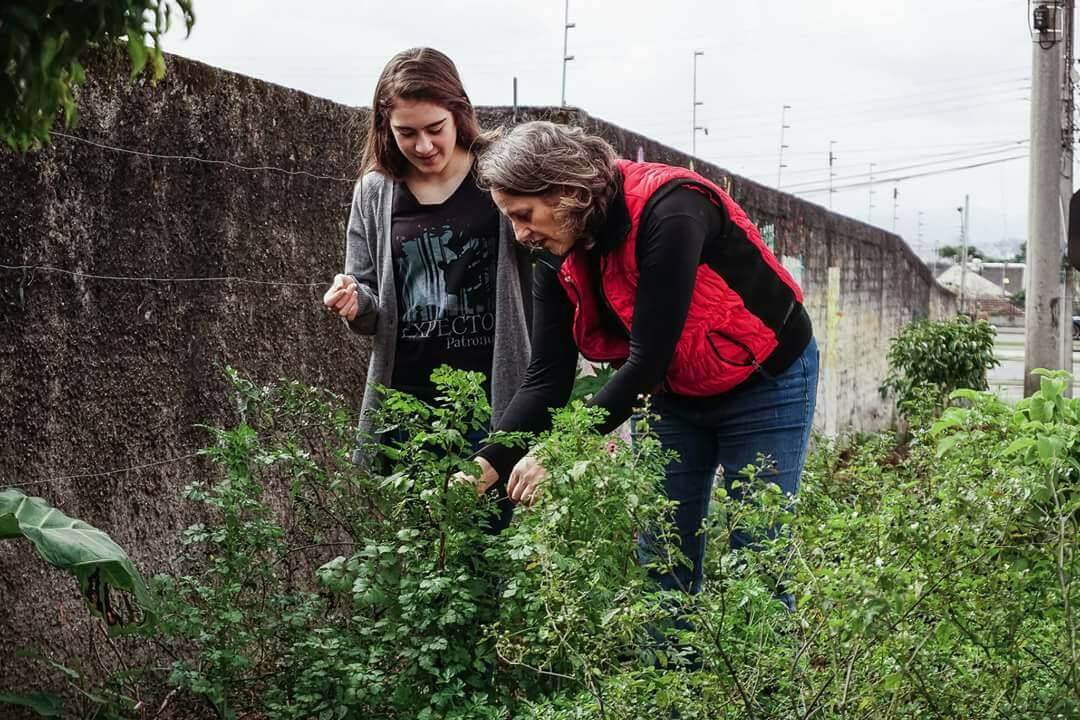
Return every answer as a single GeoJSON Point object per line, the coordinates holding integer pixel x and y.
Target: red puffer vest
{"type": "Point", "coordinates": [723, 342]}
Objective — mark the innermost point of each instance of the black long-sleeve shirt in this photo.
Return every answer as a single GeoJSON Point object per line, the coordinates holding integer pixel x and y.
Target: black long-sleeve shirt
{"type": "Point", "coordinates": [669, 250]}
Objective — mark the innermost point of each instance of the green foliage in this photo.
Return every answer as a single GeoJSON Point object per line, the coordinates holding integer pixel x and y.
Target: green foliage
{"type": "Point", "coordinates": [100, 565]}
{"type": "Point", "coordinates": [425, 614]}
{"type": "Point", "coordinates": [585, 386]}
{"type": "Point", "coordinates": [954, 251]}
{"type": "Point", "coordinates": [40, 47]}
{"type": "Point", "coordinates": [86, 696]}
{"type": "Point", "coordinates": [42, 704]}
{"type": "Point", "coordinates": [933, 578]}
{"type": "Point", "coordinates": [929, 359]}
{"type": "Point", "coordinates": [576, 606]}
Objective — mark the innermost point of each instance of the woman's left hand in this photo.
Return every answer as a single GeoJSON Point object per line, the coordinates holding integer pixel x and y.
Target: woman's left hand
{"type": "Point", "coordinates": [525, 480]}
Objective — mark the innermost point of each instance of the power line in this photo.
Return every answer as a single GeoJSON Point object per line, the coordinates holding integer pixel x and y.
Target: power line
{"type": "Point", "coordinates": [105, 473]}
{"type": "Point", "coordinates": [143, 466]}
{"type": "Point", "coordinates": [878, 152]}
{"type": "Point", "coordinates": [719, 138]}
{"type": "Point", "coordinates": [948, 157]}
{"type": "Point", "coordinates": [886, 118]}
{"type": "Point", "coordinates": [917, 160]}
{"type": "Point", "coordinates": [132, 278]}
{"type": "Point", "coordinates": [830, 110]}
{"type": "Point", "coordinates": [192, 158]}
{"type": "Point", "coordinates": [891, 103]}
{"type": "Point", "coordinates": [943, 171]}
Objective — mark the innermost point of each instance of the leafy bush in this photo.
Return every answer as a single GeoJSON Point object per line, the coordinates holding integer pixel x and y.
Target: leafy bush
{"type": "Point", "coordinates": [929, 359]}
{"type": "Point", "coordinates": [933, 578]}
{"type": "Point", "coordinates": [426, 614]}
{"type": "Point", "coordinates": [40, 46]}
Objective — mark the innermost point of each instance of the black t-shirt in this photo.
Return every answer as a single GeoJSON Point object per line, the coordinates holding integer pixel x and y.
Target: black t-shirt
{"type": "Point", "coordinates": [444, 269]}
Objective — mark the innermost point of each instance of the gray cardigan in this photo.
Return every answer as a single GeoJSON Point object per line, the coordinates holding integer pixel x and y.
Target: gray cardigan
{"type": "Point", "coordinates": [369, 259]}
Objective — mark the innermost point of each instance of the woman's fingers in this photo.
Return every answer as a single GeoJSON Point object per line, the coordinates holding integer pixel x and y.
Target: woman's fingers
{"type": "Point", "coordinates": [340, 291]}
{"type": "Point", "coordinates": [334, 294]}
{"type": "Point", "coordinates": [525, 480]}
{"type": "Point", "coordinates": [351, 306]}
{"type": "Point", "coordinates": [334, 298]}
{"type": "Point", "coordinates": [513, 485]}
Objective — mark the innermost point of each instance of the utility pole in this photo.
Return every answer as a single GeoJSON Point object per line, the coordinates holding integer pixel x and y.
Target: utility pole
{"type": "Point", "coordinates": [515, 99]}
{"type": "Point", "coordinates": [567, 25]}
{"type": "Point", "coordinates": [1045, 314]}
{"type": "Point", "coordinates": [832, 160]}
{"type": "Point", "coordinates": [919, 230]}
{"type": "Point", "coordinates": [1068, 140]}
{"type": "Point", "coordinates": [783, 126]}
{"type": "Point", "coordinates": [963, 251]}
{"type": "Point", "coordinates": [870, 210]}
{"type": "Point", "coordinates": [895, 205]}
{"type": "Point", "coordinates": [696, 102]}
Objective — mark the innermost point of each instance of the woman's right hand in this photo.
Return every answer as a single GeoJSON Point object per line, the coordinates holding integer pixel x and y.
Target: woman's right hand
{"type": "Point", "coordinates": [343, 296]}
{"type": "Point", "coordinates": [488, 476]}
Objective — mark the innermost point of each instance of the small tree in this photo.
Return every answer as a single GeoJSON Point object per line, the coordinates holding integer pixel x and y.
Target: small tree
{"type": "Point", "coordinates": [954, 251]}
{"type": "Point", "coordinates": [40, 46]}
{"type": "Point", "coordinates": [930, 359]}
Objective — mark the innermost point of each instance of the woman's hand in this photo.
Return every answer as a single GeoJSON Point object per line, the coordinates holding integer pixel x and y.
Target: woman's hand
{"type": "Point", "coordinates": [488, 477]}
{"type": "Point", "coordinates": [342, 297]}
{"type": "Point", "coordinates": [525, 480]}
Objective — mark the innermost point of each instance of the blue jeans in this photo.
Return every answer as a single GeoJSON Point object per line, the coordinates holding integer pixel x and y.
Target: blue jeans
{"type": "Point", "coordinates": [772, 416]}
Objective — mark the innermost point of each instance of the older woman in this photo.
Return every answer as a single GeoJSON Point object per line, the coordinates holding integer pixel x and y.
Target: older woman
{"type": "Point", "coordinates": [656, 269]}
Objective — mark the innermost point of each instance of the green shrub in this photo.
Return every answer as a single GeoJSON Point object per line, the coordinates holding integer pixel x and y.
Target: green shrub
{"type": "Point", "coordinates": [929, 359]}
{"type": "Point", "coordinates": [934, 578]}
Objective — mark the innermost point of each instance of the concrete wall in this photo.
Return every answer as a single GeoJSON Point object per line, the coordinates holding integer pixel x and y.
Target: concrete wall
{"type": "Point", "coordinates": [100, 374]}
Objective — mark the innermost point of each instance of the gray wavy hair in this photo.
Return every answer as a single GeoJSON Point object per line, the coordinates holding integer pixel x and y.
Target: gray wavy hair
{"type": "Point", "coordinates": [544, 158]}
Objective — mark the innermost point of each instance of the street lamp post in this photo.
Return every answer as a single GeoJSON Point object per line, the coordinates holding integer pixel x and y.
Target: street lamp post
{"type": "Point", "coordinates": [783, 126]}
{"type": "Point", "coordinates": [565, 42]}
{"type": "Point", "coordinates": [696, 102]}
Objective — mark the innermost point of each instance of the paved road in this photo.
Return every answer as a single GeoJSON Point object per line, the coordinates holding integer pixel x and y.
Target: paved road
{"type": "Point", "coordinates": [1008, 378]}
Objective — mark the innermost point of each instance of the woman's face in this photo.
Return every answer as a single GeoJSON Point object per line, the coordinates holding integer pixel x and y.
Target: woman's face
{"type": "Point", "coordinates": [425, 133]}
{"type": "Point", "coordinates": [535, 222]}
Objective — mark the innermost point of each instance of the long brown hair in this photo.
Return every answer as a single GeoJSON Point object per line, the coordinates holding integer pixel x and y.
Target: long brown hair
{"type": "Point", "coordinates": [419, 74]}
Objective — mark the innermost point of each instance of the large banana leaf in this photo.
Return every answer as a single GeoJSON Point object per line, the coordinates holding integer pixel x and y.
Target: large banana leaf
{"type": "Point", "coordinates": [99, 564]}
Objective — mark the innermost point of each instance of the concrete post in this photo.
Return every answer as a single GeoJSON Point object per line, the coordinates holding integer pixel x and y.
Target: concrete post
{"type": "Point", "coordinates": [1043, 309]}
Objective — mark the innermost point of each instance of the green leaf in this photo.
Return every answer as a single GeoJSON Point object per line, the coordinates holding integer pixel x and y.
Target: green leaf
{"type": "Point", "coordinates": [1041, 410]}
{"type": "Point", "coordinates": [1051, 387]}
{"type": "Point", "coordinates": [947, 443]}
{"type": "Point", "coordinates": [1050, 447]}
{"type": "Point", "coordinates": [578, 469]}
{"type": "Point", "coordinates": [137, 53]}
{"type": "Point", "coordinates": [966, 394]}
{"type": "Point", "coordinates": [44, 704]}
{"type": "Point", "coordinates": [1019, 445]}
{"type": "Point", "coordinates": [83, 550]}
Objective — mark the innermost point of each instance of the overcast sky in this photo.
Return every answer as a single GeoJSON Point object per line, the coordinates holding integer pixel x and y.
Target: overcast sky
{"type": "Point", "coordinates": [900, 83]}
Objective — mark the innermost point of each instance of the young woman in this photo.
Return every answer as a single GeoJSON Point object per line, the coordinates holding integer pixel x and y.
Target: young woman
{"type": "Point", "coordinates": [430, 270]}
{"type": "Point", "coordinates": [656, 269]}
